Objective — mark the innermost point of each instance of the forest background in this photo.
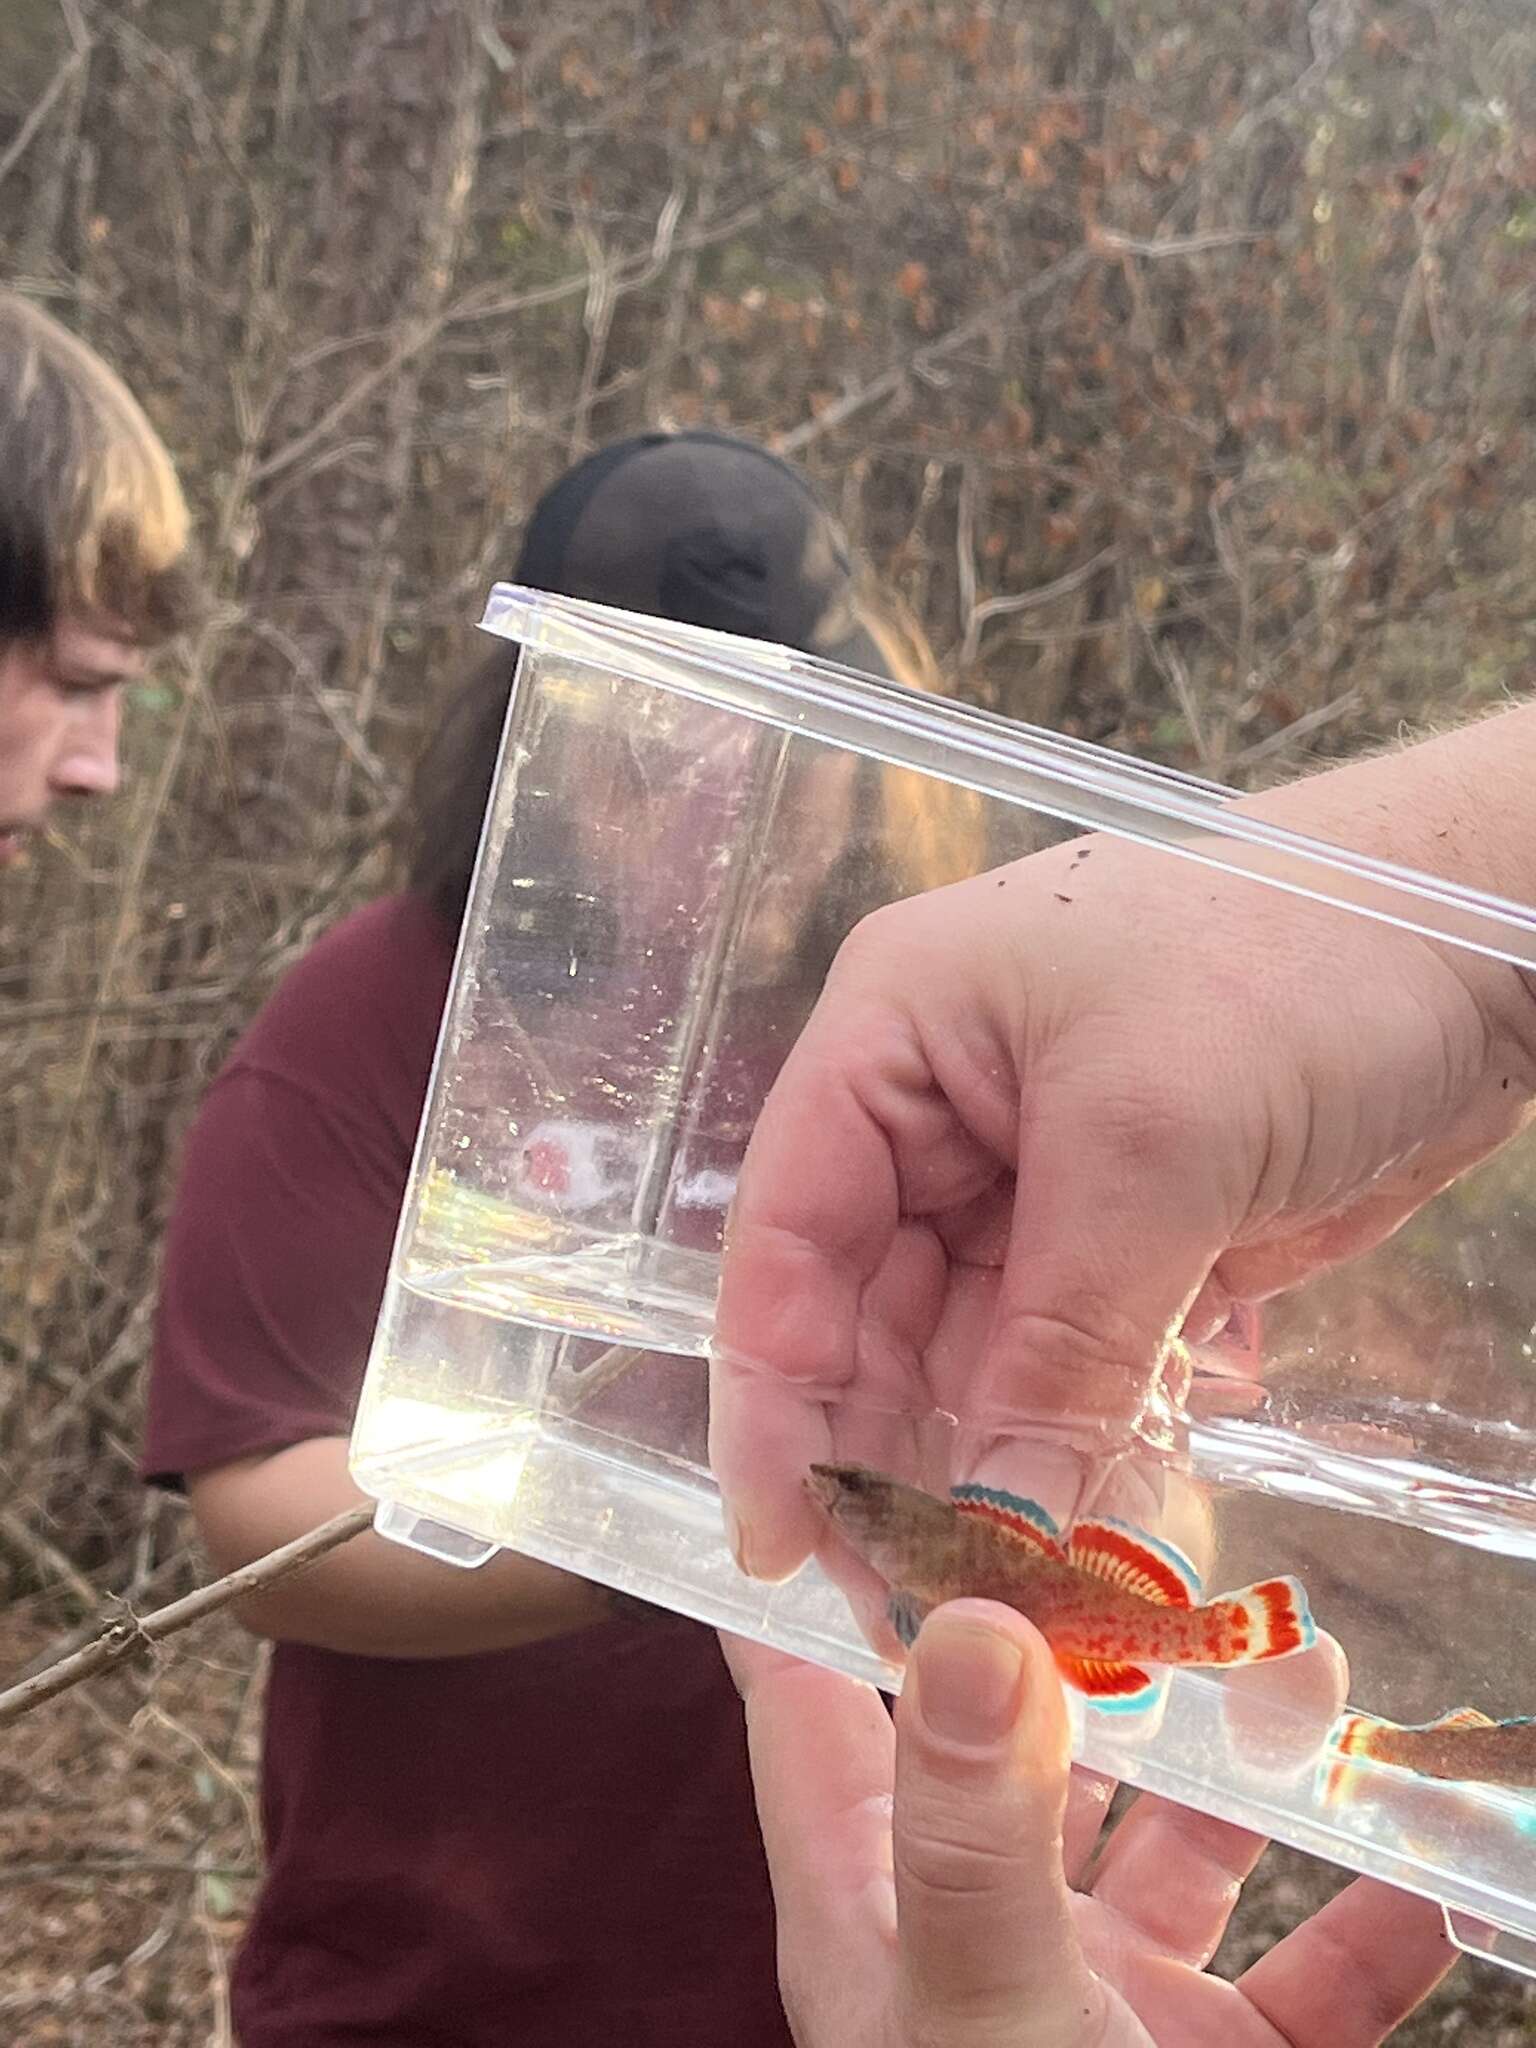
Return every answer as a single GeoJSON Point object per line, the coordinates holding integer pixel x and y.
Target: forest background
{"type": "Point", "coordinates": [1173, 359]}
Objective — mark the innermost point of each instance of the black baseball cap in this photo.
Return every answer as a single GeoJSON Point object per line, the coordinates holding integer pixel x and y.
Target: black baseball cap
{"type": "Point", "coordinates": [705, 529]}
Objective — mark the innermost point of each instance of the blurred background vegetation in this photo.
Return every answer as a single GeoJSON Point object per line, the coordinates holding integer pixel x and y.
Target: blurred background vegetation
{"type": "Point", "coordinates": [1172, 358]}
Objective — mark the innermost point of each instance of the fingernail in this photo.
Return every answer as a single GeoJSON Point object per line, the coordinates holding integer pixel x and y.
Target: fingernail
{"type": "Point", "coordinates": [968, 1681]}
{"type": "Point", "coordinates": [736, 1537]}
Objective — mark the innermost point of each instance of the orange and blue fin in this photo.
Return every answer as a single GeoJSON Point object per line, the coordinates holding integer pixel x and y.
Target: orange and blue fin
{"type": "Point", "coordinates": [1025, 1519]}
{"type": "Point", "coordinates": [1111, 1688]}
{"type": "Point", "coordinates": [1352, 1734]}
{"type": "Point", "coordinates": [1275, 1617]}
{"type": "Point", "coordinates": [1130, 1559]}
{"type": "Point", "coordinates": [1349, 1737]}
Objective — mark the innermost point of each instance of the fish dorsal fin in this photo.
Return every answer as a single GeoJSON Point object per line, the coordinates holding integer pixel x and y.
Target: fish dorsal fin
{"type": "Point", "coordinates": [1137, 1563]}
{"type": "Point", "coordinates": [1463, 1717]}
{"type": "Point", "coordinates": [1023, 1519]}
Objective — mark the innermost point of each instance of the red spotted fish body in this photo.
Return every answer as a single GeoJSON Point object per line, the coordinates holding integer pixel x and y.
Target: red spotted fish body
{"type": "Point", "coordinates": [1465, 1745]}
{"type": "Point", "coordinates": [1107, 1598]}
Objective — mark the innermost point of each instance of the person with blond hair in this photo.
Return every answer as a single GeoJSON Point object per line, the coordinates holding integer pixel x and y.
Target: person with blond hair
{"type": "Point", "coordinates": [95, 566]}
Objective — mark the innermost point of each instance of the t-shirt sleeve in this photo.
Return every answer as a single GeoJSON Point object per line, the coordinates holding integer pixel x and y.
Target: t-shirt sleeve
{"type": "Point", "coordinates": [274, 1269]}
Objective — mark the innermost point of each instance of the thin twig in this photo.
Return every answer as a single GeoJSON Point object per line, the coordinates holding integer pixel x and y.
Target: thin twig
{"type": "Point", "coordinates": [1309, 721]}
{"type": "Point", "coordinates": [86, 1631]}
{"type": "Point", "coordinates": [79, 36]}
{"type": "Point", "coordinates": [632, 274]}
{"type": "Point", "coordinates": [1176, 245]}
{"type": "Point", "coordinates": [52, 1567]}
{"type": "Point", "coordinates": [1103, 242]}
{"type": "Point", "coordinates": [131, 1636]}
{"type": "Point", "coordinates": [914, 364]}
{"type": "Point", "coordinates": [1028, 600]}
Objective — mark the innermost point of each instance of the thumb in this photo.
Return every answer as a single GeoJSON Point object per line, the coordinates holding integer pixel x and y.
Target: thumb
{"type": "Point", "coordinates": [987, 1943]}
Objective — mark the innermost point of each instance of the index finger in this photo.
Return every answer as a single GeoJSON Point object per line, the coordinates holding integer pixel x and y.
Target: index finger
{"type": "Point", "coordinates": [817, 1212]}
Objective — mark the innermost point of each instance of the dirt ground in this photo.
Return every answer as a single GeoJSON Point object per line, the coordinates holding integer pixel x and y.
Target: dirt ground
{"type": "Point", "coordinates": [128, 1847]}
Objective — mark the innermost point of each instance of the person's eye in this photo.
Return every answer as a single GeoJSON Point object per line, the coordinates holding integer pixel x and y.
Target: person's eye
{"type": "Point", "coordinates": [83, 689]}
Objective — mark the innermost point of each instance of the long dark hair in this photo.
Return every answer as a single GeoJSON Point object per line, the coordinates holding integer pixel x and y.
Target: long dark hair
{"type": "Point", "coordinates": [936, 830]}
{"type": "Point", "coordinates": [452, 786]}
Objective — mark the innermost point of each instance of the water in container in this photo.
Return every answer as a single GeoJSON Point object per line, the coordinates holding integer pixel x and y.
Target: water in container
{"type": "Point", "coordinates": [684, 827]}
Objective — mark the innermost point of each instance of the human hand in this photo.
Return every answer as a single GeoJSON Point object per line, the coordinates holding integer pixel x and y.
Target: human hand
{"type": "Point", "coordinates": [1043, 1119]}
{"type": "Point", "coordinates": [961, 1916]}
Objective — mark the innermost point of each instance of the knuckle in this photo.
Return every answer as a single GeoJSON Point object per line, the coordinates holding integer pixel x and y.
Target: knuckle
{"type": "Point", "coordinates": [941, 1849]}
{"type": "Point", "coordinates": [1082, 1334]}
{"type": "Point", "coordinates": [869, 947]}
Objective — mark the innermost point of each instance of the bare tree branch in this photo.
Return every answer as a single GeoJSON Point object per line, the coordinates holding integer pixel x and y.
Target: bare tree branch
{"type": "Point", "coordinates": [130, 1637]}
{"type": "Point", "coordinates": [45, 1558]}
{"type": "Point", "coordinates": [22, 139]}
{"type": "Point", "coordinates": [922, 359]}
{"type": "Point", "coordinates": [1028, 600]}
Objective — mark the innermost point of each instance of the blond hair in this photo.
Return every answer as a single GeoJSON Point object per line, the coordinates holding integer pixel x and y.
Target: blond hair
{"type": "Point", "coordinates": [933, 831]}
{"type": "Point", "coordinates": [92, 517]}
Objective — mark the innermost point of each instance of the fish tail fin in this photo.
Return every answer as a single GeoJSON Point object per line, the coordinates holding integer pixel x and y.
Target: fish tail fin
{"type": "Point", "coordinates": [1266, 1621]}
{"type": "Point", "coordinates": [1353, 1733]}
{"type": "Point", "coordinates": [1112, 1688]}
{"type": "Point", "coordinates": [1350, 1737]}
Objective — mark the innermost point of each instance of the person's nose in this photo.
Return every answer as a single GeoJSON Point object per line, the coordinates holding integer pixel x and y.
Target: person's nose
{"type": "Point", "coordinates": [87, 763]}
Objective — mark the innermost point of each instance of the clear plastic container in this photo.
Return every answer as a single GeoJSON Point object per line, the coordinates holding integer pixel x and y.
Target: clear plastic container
{"type": "Point", "coordinates": [684, 826]}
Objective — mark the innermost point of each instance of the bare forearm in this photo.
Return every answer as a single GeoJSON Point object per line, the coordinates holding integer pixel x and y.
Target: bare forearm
{"type": "Point", "coordinates": [371, 1597]}
{"type": "Point", "coordinates": [1460, 805]}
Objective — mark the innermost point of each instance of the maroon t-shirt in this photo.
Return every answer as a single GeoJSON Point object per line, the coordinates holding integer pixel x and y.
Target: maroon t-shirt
{"type": "Point", "coordinates": [547, 1847]}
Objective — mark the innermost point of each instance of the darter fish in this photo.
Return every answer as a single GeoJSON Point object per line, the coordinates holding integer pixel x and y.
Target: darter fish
{"type": "Point", "coordinates": [1108, 1598]}
{"type": "Point", "coordinates": [1464, 1744]}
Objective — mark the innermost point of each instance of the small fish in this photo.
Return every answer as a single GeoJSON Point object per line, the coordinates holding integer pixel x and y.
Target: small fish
{"type": "Point", "coordinates": [1463, 1745]}
{"type": "Point", "coordinates": [1108, 1599]}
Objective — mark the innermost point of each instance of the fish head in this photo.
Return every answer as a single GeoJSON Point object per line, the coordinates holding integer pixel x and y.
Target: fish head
{"type": "Point", "coordinates": [860, 1501]}
{"type": "Point", "coordinates": [894, 1527]}
{"type": "Point", "coordinates": [879, 1519]}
